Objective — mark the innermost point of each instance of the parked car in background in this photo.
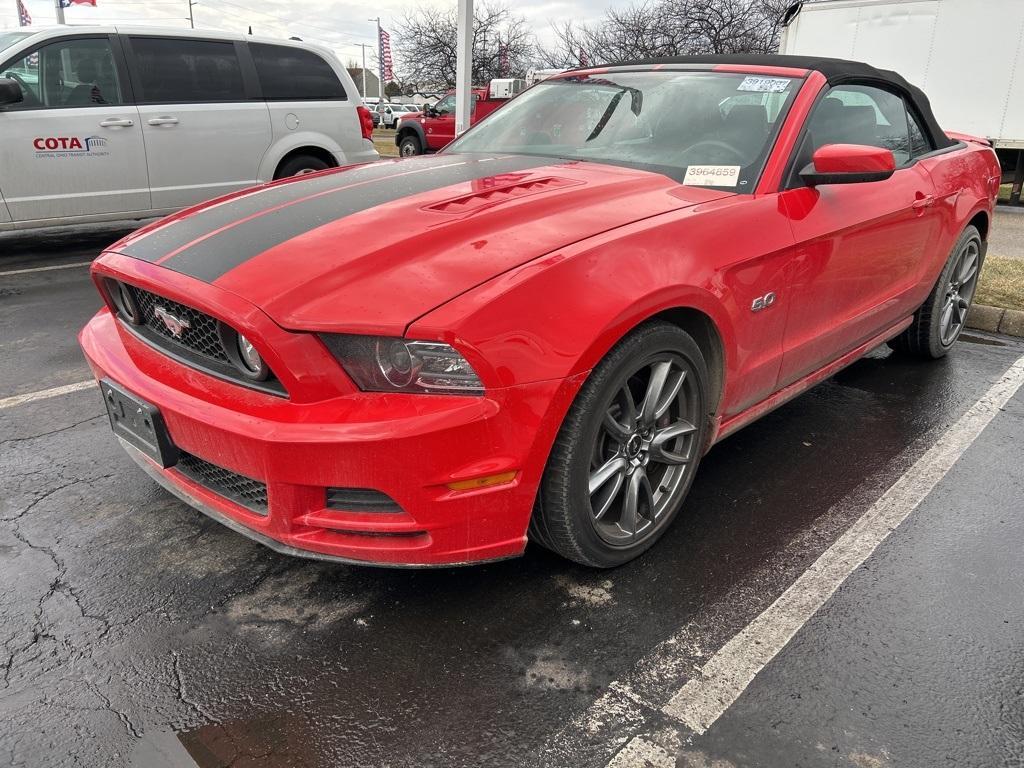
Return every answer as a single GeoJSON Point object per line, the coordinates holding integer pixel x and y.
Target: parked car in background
{"type": "Point", "coordinates": [542, 330]}
{"type": "Point", "coordinates": [106, 123]}
{"type": "Point", "coordinates": [390, 114]}
{"type": "Point", "coordinates": [376, 118]}
{"type": "Point", "coordinates": [432, 129]}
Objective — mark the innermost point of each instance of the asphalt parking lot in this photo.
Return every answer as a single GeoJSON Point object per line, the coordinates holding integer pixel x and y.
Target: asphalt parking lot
{"type": "Point", "coordinates": [779, 623]}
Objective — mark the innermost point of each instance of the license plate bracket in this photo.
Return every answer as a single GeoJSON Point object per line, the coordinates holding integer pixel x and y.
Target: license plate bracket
{"type": "Point", "coordinates": [138, 423]}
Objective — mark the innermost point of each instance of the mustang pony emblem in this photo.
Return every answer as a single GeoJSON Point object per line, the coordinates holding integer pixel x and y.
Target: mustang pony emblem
{"type": "Point", "coordinates": [176, 325]}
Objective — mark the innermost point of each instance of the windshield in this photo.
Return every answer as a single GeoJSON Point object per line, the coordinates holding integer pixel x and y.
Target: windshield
{"type": "Point", "coordinates": [707, 129]}
{"type": "Point", "coordinates": [7, 39]}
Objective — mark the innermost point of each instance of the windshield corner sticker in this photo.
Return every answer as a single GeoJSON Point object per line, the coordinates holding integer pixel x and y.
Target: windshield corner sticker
{"type": "Point", "coordinates": [70, 146]}
{"type": "Point", "coordinates": [764, 84]}
{"type": "Point", "coordinates": [712, 175]}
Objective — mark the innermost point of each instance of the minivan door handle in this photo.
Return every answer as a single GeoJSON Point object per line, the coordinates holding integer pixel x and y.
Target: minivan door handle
{"type": "Point", "coordinates": [923, 201]}
{"type": "Point", "coordinates": [163, 121]}
{"type": "Point", "coordinates": [117, 122]}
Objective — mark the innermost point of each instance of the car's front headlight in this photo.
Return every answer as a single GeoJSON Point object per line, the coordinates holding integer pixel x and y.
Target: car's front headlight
{"type": "Point", "coordinates": [391, 364]}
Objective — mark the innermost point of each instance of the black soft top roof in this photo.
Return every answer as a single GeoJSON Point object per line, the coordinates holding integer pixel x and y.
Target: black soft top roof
{"type": "Point", "coordinates": [836, 71]}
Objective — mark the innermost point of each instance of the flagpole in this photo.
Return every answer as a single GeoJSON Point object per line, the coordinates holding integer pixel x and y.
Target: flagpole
{"type": "Point", "coordinates": [380, 65]}
{"type": "Point", "coordinates": [60, 11]}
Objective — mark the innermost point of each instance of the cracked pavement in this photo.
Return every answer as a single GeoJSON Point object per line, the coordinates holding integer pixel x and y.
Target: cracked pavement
{"type": "Point", "coordinates": [136, 632]}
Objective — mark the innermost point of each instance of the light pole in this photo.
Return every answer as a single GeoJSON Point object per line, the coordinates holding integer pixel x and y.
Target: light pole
{"type": "Point", "coordinates": [191, 18]}
{"type": "Point", "coordinates": [463, 65]}
{"type": "Point", "coordinates": [60, 11]}
{"type": "Point", "coordinates": [363, 47]}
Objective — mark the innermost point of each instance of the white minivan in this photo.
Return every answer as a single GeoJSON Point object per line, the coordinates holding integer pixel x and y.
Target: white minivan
{"type": "Point", "coordinates": [108, 123]}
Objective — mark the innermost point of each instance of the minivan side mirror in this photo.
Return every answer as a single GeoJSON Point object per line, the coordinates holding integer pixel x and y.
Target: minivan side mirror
{"type": "Point", "coordinates": [848, 164]}
{"type": "Point", "coordinates": [10, 92]}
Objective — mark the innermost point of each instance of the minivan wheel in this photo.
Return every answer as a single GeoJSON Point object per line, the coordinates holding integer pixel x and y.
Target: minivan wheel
{"type": "Point", "coordinates": [941, 319]}
{"type": "Point", "coordinates": [299, 165]}
{"type": "Point", "coordinates": [627, 451]}
{"type": "Point", "coordinates": [410, 146]}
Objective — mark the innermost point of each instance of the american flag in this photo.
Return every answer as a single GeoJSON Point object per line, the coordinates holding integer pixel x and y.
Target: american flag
{"type": "Point", "coordinates": [24, 17]}
{"type": "Point", "coordinates": [387, 74]}
{"type": "Point", "coordinates": [69, 3]}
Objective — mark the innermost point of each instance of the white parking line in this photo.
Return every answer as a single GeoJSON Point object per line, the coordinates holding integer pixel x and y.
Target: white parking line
{"type": "Point", "coordinates": [44, 269]}
{"type": "Point", "coordinates": [723, 678]}
{"type": "Point", "coordinates": [28, 397]}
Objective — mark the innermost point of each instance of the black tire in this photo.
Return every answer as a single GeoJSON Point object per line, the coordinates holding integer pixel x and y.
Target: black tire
{"type": "Point", "coordinates": [410, 146]}
{"type": "Point", "coordinates": [565, 519]}
{"type": "Point", "coordinates": [929, 336]}
{"type": "Point", "coordinates": [300, 164]}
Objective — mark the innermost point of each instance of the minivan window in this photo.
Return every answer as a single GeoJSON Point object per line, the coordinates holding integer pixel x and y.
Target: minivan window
{"type": "Point", "coordinates": [175, 70]}
{"type": "Point", "coordinates": [67, 73]}
{"type": "Point", "coordinates": [294, 74]}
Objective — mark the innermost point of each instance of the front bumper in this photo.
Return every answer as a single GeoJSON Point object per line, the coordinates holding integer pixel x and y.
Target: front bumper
{"type": "Point", "coordinates": [409, 447]}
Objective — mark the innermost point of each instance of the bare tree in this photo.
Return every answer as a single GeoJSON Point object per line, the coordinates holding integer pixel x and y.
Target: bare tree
{"type": "Point", "coordinates": [503, 45]}
{"type": "Point", "coordinates": [669, 28]}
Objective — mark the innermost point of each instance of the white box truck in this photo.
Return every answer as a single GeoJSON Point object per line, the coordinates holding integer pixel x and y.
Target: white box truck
{"type": "Point", "coordinates": [967, 55]}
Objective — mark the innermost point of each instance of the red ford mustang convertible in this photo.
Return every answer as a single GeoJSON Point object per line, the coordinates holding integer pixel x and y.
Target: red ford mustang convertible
{"type": "Point", "coordinates": [538, 333]}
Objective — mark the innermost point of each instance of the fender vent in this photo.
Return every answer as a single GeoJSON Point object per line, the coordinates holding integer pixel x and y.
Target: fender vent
{"type": "Point", "coordinates": [496, 195]}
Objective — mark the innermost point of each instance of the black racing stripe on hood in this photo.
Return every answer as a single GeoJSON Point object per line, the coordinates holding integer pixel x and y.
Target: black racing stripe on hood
{"type": "Point", "coordinates": [217, 255]}
{"type": "Point", "coordinates": [180, 233]}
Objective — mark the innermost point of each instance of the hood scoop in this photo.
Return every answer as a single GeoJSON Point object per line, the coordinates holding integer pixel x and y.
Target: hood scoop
{"type": "Point", "coordinates": [497, 190]}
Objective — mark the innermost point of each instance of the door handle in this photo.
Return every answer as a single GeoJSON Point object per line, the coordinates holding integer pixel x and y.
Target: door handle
{"type": "Point", "coordinates": [117, 122]}
{"type": "Point", "coordinates": [163, 121]}
{"type": "Point", "coordinates": [923, 201]}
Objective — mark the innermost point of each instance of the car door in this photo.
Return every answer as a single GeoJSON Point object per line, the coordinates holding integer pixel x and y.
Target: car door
{"type": "Point", "coordinates": [73, 146]}
{"type": "Point", "coordinates": [859, 247]}
{"type": "Point", "coordinates": [206, 130]}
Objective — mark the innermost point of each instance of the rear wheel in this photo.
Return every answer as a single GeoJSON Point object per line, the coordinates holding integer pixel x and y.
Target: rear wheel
{"type": "Point", "coordinates": [627, 452]}
{"type": "Point", "coordinates": [410, 146]}
{"type": "Point", "coordinates": [299, 165]}
{"type": "Point", "coordinates": [940, 320]}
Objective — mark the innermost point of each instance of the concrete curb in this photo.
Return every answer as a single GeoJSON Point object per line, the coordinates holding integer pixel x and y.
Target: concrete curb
{"type": "Point", "coordinates": [996, 320]}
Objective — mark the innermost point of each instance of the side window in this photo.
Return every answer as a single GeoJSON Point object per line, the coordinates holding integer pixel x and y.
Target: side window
{"type": "Point", "coordinates": [861, 114]}
{"type": "Point", "coordinates": [445, 105]}
{"type": "Point", "coordinates": [175, 70]}
{"type": "Point", "coordinates": [295, 74]}
{"type": "Point", "coordinates": [919, 143]}
{"type": "Point", "coordinates": [68, 73]}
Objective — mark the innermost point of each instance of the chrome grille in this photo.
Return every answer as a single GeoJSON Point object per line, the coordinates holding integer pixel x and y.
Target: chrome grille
{"type": "Point", "coordinates": [249, 493]}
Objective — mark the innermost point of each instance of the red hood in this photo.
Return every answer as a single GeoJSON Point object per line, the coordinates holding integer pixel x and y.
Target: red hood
{"type": "Point", "coordinates": [372, 248]}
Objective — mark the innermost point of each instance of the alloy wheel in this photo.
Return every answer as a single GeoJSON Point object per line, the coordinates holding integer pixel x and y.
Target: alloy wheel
{"type": "Point", "coordinates": [960, 292]}
{"type": "Point", "coordinates": [644, 450]}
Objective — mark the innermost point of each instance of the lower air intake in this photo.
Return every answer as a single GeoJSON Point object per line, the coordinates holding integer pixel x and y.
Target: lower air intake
{"type": "Point", "coordinates": [249, 493]}
{"type": "Point", "coordinates": [360, 500]}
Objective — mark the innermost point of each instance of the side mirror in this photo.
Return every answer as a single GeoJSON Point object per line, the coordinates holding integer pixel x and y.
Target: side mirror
{"type": "Point", "coordinates": [10, 92]}
{"type": "Point", "coordinates": [429, 111]}
{"type": "Point", "coordinates": [849, 164]}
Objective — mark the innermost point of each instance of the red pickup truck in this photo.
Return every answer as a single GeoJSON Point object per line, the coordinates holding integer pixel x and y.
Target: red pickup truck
{"type": "Point", "coordinates": [432, 129]}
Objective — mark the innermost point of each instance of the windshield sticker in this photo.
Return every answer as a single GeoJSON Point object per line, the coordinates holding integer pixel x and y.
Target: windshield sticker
{"type": "Point", "coordinates": [712, 175]}
{"type": "Point", "coordinates": [764, 84]}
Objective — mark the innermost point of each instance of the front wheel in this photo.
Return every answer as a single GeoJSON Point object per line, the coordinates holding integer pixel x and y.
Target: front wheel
{"type": "Point", "coordinates": [940, 320]}
{"type": "Point", "coordinates": [410, 146]}
{"type": "Point", "coordinates": [627, 452]}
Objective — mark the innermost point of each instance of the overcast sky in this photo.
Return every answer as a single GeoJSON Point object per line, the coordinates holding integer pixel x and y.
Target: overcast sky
{"type": "Point", "coordinates": [340, 24]}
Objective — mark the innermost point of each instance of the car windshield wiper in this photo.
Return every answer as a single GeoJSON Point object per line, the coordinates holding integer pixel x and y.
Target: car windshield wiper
{"type": "Point", "coordinates": [636, 104]}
